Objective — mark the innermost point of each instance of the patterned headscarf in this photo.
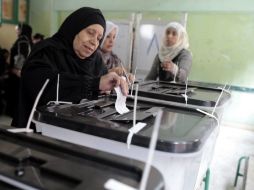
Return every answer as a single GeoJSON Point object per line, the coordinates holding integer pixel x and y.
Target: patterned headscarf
{"type": "Point", "coordinates": [109, 27]}
{"type": "Point", "coordinates": [109, 58]}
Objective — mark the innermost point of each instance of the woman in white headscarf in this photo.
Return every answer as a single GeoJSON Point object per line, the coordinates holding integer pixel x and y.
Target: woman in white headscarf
{"type": "Point", "coordinates": [174, 60]}
{"type": "Point", "coordinates": [110, 59]}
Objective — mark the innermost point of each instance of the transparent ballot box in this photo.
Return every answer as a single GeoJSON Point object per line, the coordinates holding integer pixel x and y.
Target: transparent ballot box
{"type": "Point", "coordinates": [184, 147]}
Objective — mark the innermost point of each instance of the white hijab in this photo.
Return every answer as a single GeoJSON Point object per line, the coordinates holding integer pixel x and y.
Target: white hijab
{"type": "Point", "coordinates": [109, 27]}
{"type": "Point", "coordinates": [182, 42]}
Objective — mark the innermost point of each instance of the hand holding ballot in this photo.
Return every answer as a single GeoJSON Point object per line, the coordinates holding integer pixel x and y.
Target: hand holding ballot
{"type": "Point", "coordinates": [111, 80]}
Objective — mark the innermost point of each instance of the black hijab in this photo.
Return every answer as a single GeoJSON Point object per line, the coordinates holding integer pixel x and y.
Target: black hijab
{"type": "Point", "coordinates": [76, 22]}
{"type": "Point", "coordinates": [25, 30]}
{"type": "Point", "coordinates": [63, 39]}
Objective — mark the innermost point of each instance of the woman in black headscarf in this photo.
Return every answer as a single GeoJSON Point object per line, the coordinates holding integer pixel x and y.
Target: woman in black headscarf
{"type": "Point", "coordinates": [23, 43]}
{"type": "Point", "coordinates": [22, 46]}
{"type": "Point", "coordinates": [71, 53]}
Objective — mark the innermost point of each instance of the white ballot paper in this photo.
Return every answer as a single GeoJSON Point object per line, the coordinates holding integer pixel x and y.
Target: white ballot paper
{"type": "Point", "coordinates": [120, 103]}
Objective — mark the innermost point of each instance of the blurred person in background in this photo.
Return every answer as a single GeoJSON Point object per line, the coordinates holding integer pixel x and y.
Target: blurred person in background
{"type": "Point", "coordinates": [20, 49]}
{"type": "Point", "coordinates": [174, 60]}
{"type": "Point", "coordinates": [37, 38]}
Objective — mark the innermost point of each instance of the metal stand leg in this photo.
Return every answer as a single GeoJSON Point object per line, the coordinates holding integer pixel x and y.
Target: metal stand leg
{"type": "Point", "coordinates": [238, 169]}
{"type": "Point", "coordinates": [207, 179]}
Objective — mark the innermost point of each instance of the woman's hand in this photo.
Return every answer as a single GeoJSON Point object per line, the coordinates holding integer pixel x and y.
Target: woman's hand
{"type": "Point", "coordinates": [131, 78]}
{"type": "Point", "coordinates": [118, 70]}
{"type": "Point", "coordinates": [112, 80]}
{"type": "Point", "coordinates": [121, 72]}
{"type": "Point", "coordinates": [16, 72]}
{"type": "Point", "coordinates": [168, 65]}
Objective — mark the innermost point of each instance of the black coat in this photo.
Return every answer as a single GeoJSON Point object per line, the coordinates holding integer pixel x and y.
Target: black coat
{"type": "Point", "coordinates": [78, 79]}
{"type": "Point", "coordinates": [22, 46]}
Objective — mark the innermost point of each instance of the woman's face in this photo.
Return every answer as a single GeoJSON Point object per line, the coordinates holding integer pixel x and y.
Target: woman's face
{"type": "Point", "coordinates": [18, 30]}
{"type": "Point", "coordinates": [171, 37]}
{"type": "Point", "coordinates": [109, 41]}
{"type": "Point", "coordinates": [87, 40]}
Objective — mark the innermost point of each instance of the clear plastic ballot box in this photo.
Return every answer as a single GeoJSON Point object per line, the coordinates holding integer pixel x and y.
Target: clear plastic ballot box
{"type": "Point", "coordinates": [184, 147]}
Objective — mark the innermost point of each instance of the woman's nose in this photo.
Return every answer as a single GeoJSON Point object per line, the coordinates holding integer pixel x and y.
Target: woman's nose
{"type": "Point", "coordinates": [93, 41]}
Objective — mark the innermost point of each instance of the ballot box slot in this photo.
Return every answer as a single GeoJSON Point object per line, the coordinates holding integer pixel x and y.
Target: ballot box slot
{"type": "Point", "coordinates": [170, 90]}
{"type": "Point", "coordinates": [141, 115]}
{"type": "Point", "coordinates": [111, 114]}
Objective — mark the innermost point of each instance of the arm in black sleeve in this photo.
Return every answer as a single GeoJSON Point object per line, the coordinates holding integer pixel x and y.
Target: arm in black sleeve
{"type": "Point", "coordinates": [13, 52]}
{"type": "Point", "coordinates": [72, 88]}
{"type": "Point", "coordinates": [25, 47]}
{"type": "Point", "coordinates": [21, 46]}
